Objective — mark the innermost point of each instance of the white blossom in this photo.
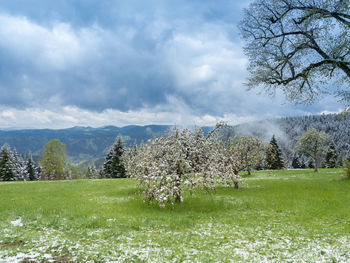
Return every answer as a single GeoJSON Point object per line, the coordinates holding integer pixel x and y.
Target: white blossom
{"type": "Point", "coordinates": [167, 165]}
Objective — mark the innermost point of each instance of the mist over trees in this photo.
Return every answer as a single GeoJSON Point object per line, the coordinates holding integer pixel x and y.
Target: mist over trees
{"type": "Point", "coordinates": [287, 131]}
{"type": "Point", "coordinates": [89, 146]}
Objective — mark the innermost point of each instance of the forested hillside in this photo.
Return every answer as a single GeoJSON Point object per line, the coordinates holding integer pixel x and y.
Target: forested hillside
{"type": "Point", "coordinates": [85, 143]}
{"type": "Point", "coordinates": [288, 130]}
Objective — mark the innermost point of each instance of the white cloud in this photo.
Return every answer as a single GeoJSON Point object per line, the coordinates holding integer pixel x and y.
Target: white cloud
{"type": "Point", "coordinates": [59, 46]}
{"type": "Point", "coordinates": [8, 115]}
{"type": "Point", "coordinates": [209, 70]}
{"type": "Point", "coordinates": [185, 71]}
{"type": "Point", "coordinates": [174, 113]}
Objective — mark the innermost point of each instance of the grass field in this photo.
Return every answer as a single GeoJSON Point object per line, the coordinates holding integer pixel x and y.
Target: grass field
{"type": "Point", "coordinates": [276, 216]}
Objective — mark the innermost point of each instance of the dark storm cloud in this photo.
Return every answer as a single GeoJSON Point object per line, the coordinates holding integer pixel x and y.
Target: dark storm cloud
{"type": "Point", "coordinates": [111, 12]}
{"type": "Point", "coordinates": [124, 55]}
{"type": "Point", "coordinates": [153, 56]}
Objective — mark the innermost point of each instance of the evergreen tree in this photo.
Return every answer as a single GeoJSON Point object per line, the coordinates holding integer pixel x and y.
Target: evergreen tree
{"type": "Point", "coordinates": [7, 172]}
{"type": "Point", "coordinates": [295, 162]}
{"type": "Point", "coordinates": [113, 166]}
{"type": "Point", "coordinates": [20, 168]}
{"type": "Point", "coordinates": [101, 174]}
{"type": "Point", "coordinates": [107, 168]}
{"type": "Point", "coordinates": [331, 156]}
{"type": "Point", "coordinates": [12, 166]}
{"type": "Point", "coordinates": [92, 172]}
{"type": "Point", "coordinates": [32, 169]}
{"type": "Point", "coordinates": [273, 158]}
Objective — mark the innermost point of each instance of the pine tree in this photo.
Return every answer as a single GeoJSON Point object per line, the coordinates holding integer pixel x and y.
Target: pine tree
{"type": "Point", "coordinates": [32, 169]}
{"type": "Point", "coordinates": [7, 172]}
{"type": "Point", "coordinates": [20, 167]}
{"type": "Point", "coordinates": [12, 166]}
{"type": "Point", "coordinates": [107, 168]}
{"type": "Point", "coordinates": [92, 172]}
{"type": "Point", "coordinates": [331, 156]}
{"type": "Point", "coordinates": [113, 166]}
{"type": "Point", "coordinates": [273, 158]}
{"type": "Point", "coordinates": [295, 162]}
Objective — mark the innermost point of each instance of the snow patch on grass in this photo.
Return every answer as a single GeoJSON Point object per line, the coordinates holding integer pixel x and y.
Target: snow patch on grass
{"type": "Point", "coordinates": [17, 222]}
{"type": "Point", "coordinates": [204, 242]}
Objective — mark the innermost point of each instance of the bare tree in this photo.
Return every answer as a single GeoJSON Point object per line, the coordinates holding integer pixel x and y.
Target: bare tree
{"type": "Point", "coordinates": [298, 46]}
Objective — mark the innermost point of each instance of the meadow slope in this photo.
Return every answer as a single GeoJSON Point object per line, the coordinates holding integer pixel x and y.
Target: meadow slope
{"type": "Point", "coordinates": [276, 216]}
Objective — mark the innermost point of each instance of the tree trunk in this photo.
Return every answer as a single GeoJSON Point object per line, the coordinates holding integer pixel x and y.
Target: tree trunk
{"type": "Point", "coordinates": [178, 182]}
{"type": "Point", "coordinates": [316, 163]}
{"type": "Point", "coordinates": [236, 185]}
{"type": "Point", "coordinates": [178, 193]}
{"type": "Point", "coordinates": [178, 198]}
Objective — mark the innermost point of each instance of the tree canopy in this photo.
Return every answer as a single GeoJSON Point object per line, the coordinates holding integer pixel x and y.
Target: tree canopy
{"type": "Point", "coordinates": [312, 143]}
{"type": "Point", "coordinates": [167, 165]}
{"type": "Point", "coordinates": [53, 160]}
{"type": "Point", "coordinates": [298, 46]}
{"type": "Point", "coordinates": [250, 151]}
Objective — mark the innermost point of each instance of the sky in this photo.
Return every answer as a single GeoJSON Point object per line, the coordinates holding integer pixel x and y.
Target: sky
{"type": "Point", "coordinates": [68, 63]}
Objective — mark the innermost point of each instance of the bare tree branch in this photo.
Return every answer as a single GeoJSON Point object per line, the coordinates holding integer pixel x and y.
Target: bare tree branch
{"type": "Point", "coordinates": [293, 44]}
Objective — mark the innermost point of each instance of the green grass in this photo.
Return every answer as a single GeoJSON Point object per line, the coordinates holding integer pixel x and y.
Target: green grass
{"type": "Point", "coordinates": [276, 216]}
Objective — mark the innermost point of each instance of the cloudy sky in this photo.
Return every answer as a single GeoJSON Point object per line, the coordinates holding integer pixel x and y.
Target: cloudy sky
{"type": "Point", "coordinates": [67, 63]}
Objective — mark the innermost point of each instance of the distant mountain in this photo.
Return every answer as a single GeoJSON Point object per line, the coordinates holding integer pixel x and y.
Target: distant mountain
{"type": "Point", "coordinates": [83, 143]}
{"type": "Point", "coordinates": [86, 143]}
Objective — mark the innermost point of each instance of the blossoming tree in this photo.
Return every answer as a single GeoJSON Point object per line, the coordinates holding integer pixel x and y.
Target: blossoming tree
{"type": "Point", "coordinates": [167, 165]}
